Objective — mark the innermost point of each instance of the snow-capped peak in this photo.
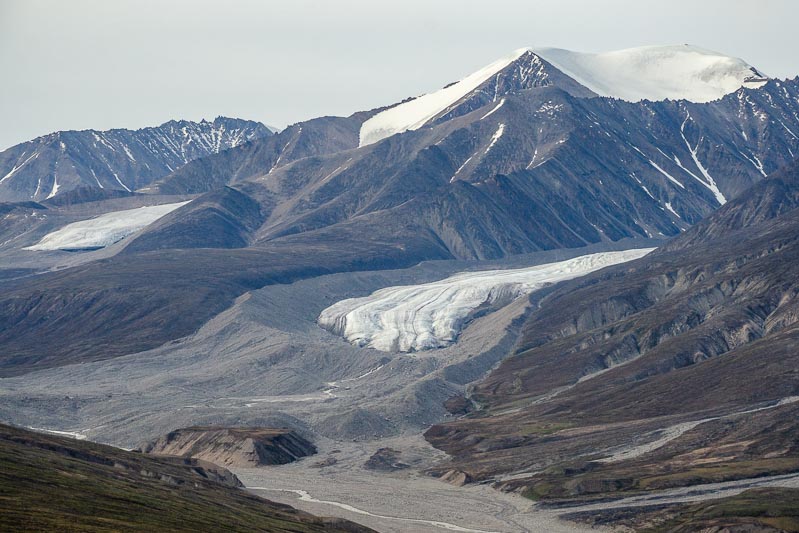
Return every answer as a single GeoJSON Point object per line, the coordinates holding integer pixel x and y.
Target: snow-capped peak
{"type": "Point", "coordinates": [645, 73]}
{"type": "Point", "coordinates": [656, 72]}
{"type": "Point", "coordinates": [415, 113]}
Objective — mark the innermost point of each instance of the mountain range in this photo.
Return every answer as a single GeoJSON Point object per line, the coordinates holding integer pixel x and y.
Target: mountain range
{"type": "Point", "coordinates": [190, 267]}
{"type": "Point", "coordinates": [522, 159]}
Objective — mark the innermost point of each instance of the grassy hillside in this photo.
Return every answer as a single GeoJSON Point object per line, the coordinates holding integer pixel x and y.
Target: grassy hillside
{"type": "Point", "coordinates": [50, 483]}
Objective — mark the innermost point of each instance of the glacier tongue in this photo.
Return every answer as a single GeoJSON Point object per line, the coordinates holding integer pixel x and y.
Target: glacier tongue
{"type": "Point", "coordinates": [428, 316]}
{"type": "Point", "coordinates": [103, 230]}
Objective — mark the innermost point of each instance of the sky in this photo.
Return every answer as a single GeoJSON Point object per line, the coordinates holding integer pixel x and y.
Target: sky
{"type": "Point", "coordinates": [104, 64]}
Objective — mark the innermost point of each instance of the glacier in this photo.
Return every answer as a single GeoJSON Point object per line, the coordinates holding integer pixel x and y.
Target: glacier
{"type": "Point", "coordinates": [431, 315]}
{"type": "Point", "coordinates": [103, 230]}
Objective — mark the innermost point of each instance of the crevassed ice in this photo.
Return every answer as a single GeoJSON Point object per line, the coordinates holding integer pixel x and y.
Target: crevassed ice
{"type": "Point", "coordinates": [431, 315]}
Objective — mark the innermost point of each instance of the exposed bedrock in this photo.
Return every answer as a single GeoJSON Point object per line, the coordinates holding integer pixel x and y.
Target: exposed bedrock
{"type": "Point", "coordinates": [239, 447]}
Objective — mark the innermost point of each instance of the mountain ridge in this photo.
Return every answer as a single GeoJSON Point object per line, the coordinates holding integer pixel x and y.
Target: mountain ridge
{"type": "Point", "coordinates": [115, 159]}
{"type": "Point", "coordinates": [644, 73]}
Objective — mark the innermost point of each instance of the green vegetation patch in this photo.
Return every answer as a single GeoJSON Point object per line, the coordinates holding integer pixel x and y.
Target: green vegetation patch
{"type": "Point", "coordinates": [50, 483]}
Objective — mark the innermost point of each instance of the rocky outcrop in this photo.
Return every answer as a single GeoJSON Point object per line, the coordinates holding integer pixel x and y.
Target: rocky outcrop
{"type": "Point", "coordinates": [385, 460]}
{"type": "Point", "coordinates": [456, 477]}
{"type": "Point", "coordinates": [237, 447]}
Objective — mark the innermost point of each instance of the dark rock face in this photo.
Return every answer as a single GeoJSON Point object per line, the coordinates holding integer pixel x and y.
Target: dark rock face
{"type": "Point", "coordinates": [10, 207]}
{"type": "Point", "coordinates": [705, 328]}
{"type": "Point", "coordinates": [119, 159]}
{"type": "Point", "coordinates": [240, 447]}
{"type": "Point", "coordinates": [546, 170]}
{"type": "Point", "coordinates": [552, 167]}
{"type": "Point", "coordinates": [84, 194]}
{"type": "Point", "coordinates": [769, 199]}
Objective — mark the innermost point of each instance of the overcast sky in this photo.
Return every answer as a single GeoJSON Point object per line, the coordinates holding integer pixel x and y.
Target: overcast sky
{"type": "Point", "coordinates": [131, 63]}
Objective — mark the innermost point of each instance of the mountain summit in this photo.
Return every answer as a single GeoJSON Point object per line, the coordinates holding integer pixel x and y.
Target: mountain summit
{"type": "Point", "coordinates": [681, 72]}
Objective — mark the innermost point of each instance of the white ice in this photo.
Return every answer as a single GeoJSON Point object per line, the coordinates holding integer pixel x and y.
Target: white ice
{"type": "Point", "coordinates": [656, 72]}
{"type": "Point", "coordinates": [428, 316]}
{"type": "Point", "coordinates": [103, 230]}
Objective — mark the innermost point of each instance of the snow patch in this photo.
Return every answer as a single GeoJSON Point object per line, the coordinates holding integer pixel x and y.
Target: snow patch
{"type": "Point", "coordinates": [494, 110]}
{"type": "Point", "coordinates": [103, 230]}
{"type": "Point", "coordinates": [55, 187]}
{"type": "Point", "coordinates": [755, 163]}
{"type": "Point", "coordinates": [672, 211]}
{"type": "Point", "coordinates": [16, 168]}
{"type": "Point", "coordinates": [497, 135]}
{"type": "Point", "coordinates": [669, 176]}
{"type": "Point", "coordinates": [710, 183]}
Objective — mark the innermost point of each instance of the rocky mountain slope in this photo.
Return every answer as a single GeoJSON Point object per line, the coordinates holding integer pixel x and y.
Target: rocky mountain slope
{"type": "Point", "coordinates": [51, 483]}
{"type": "Point", "coordinates": [671, 370]}
{"type": "Point", "coordinates": [238, 447]}
{"type": "Point", "coordinates": [536, 164]}
{"type": "Point", "coordinates": [117, 159]}
{"type": "Point", "coordinates": [319, 136]}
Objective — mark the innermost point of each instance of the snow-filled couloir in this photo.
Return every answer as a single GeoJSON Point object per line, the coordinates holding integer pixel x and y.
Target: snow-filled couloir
{"type": "Point", "coordinates": [422, 317]}
{"type": "Point", "coordinates": [103, 230]}
{"type": "Point", "coordinates": [646, 73]}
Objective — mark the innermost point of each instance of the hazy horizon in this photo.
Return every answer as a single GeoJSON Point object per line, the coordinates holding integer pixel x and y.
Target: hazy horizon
{"type": "Point", "coordinates": [90, 64]}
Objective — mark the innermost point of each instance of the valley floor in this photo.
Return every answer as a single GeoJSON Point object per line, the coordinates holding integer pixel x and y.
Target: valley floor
{"type": "Point", "coordinates": [266, 362]}
{"type": "Point", "coordinates": [408, 500]}
{"type": "Point", "coordinates": [400, 501]}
